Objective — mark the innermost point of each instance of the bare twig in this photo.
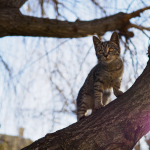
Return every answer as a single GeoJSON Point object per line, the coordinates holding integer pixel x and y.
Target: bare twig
{"type": "Point", "coordinates": [97, 4]}
{"type": "Point", "coordinates": [6, 66]}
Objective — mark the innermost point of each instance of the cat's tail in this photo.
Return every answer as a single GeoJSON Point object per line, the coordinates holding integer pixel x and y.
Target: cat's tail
{"type": "Point", "coordinates": [106, 97]}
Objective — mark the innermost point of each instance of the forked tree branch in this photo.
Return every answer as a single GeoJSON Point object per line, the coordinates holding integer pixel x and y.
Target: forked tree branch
{"type": "Point", "coordinates": [119, 125]}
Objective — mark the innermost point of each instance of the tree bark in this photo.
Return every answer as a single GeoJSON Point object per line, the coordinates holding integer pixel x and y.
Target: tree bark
{"type": "Point", "coordinates": [11, 3]}
{"type": "Point", "coordinates": [117, 126]}
{"type": "Point", "coordinates": [13, 23]}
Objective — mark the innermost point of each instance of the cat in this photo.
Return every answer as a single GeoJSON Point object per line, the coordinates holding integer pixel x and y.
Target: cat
{"type": "Point", "coordinates": [107, 74]}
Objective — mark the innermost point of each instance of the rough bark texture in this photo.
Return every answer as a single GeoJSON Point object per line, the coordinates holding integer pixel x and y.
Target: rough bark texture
{"type": "Point", "coordinates": [13, 23]}
{"type": "Point", "coordinates": [11, 3]}
{"type": "Point", "coordinates": [118, 126]}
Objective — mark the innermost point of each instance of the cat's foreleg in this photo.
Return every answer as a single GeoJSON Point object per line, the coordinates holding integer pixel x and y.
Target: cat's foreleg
{"type": "Point", "coordinates": [98, 94]}
{"type": "Point", "coordinates": [116, 88]}
{"type": "Point", "coordinates": [84, 102]}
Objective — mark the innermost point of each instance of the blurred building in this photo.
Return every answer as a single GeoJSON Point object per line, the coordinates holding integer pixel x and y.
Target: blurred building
{"type": "Point", "coordinates": [8, 142]}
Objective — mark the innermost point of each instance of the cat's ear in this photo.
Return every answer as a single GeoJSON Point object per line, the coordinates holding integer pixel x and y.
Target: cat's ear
{"type": "Point", "coordinates": [96, 41]}
{"type": "Point", "coordinates": [115, 38]}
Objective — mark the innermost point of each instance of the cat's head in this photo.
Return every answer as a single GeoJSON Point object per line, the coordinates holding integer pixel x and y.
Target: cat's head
{"type": "Point", "coordinates": [107, 51]}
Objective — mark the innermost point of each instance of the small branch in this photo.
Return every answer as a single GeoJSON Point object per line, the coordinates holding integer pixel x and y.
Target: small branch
{"type": "Point", "coordinates": [137, 13]}
{"type": "Point", "coordinates": [138, 27]}
{"type": "Point", "coordinates": [98, 5]}
{"type": "Point", "coordinates": [129, 5]}
{"type": "Point", "coordinates": [5, 65]}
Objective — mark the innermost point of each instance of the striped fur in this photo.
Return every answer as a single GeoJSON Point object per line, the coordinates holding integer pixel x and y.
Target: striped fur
{"type": "Point", "coordinates": [107, 74]}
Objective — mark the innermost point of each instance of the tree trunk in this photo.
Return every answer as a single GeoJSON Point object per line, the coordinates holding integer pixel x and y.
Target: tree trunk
{"type": "Point", "coordinates": [117, 126]}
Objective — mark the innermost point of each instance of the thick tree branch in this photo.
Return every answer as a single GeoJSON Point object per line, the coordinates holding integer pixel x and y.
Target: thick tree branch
{"type": "Point", "coordinates": [11, 3]}
{"type": "Point", "coordinates": [13, 23]}
{"type": "Point", "coordinates": [119, 125]}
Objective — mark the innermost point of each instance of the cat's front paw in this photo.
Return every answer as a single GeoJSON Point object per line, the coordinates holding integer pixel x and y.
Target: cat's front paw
{"type": "Point", "coordinates": [98, 107]}
{"type": "Point", "coordinates": [81, 118]}
{"type": "Point", "coordinates": [118, 93]}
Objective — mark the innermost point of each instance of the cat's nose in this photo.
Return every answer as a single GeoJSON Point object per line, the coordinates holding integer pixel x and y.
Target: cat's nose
{"type": "Point", "coordinates": [105, 55]}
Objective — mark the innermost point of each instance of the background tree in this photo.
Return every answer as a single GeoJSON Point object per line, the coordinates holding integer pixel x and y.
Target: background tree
{"type": "Point", "coordinates": [33, 68]}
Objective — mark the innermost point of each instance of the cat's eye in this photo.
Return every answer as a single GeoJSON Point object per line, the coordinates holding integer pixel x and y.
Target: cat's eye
{"type": "Point", "coordinates": [101, 52]}
{"type": "Point", "coordinates": [111, 49]}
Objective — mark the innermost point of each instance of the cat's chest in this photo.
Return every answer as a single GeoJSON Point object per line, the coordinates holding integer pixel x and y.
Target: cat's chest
{"type": "Point", "coordinates": [109, 78]}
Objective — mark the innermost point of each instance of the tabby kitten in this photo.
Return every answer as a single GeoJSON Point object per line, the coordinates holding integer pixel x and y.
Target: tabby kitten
{"type": "Point", "coordinates": [107, 74]}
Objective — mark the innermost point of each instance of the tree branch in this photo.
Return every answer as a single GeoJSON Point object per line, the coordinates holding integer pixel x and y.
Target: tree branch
{"type": "Point", "coordinates": [119, 125]}
{"type": "Point", "coordinates": [137, 13]}
{"type": "Point", "coordinates": [11, 3]}
{"type": "Point", "coordinates": [139, 27]}
{"type": "Point", "coordinates": [13, 23]}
